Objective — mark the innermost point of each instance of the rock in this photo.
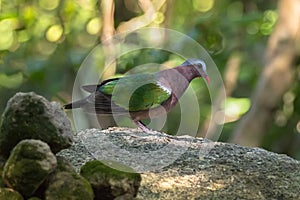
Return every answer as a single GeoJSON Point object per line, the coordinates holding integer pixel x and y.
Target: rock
{"type": "Point", "coordinates": [184, 167]}
{"type": "Point", "coordinates": [65, 183]}
{"type": "Point", "coordinates": [68, 185]}
{"type": "Point", "coordinates": [109, 183]}
{"type": "Point", "coordinates": [9, 194]}
{"type": "Point", "coordinates": [62, 166]}
{"type": "Point", "coordinates": [2, 185]}
{"type": "Point", "coordinates": [29, 164]}
{"type": "Point", "coordinates": [30, 116]}
{"type": "Point", "coordinates": [2, 162]}
{"type": "Point", "coordinates": [34, 198]}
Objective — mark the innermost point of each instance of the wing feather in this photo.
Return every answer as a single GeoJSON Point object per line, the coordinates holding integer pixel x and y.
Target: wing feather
{"type": "Point", "coordinates": [131, 93]}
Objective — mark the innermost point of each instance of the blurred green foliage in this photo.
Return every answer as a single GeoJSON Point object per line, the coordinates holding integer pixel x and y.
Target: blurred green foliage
{"type": "Point", "coordinates": [43, 43]}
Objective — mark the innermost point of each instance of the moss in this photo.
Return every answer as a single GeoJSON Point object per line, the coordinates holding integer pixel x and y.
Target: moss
{"type": "Point", "coordinates": [9, 194]}
{"type": "Point", "coordinates": [1, 183]}
{"type": "Point", "coordinates": [2, 163]}
{"type": "Point", "coordinates": [27, 172]}
{"type": "Point", "coordinates": [67, 185]}
{"type": "Point", "coordinates": [63, 165]}
{"type": "Point", "coordinates": [30, 152]}
{"type": "Point", "coordinates": [27, 167]}
{"type": "Point", "coordinates": [34, 198]}
{"type": "Point", "coordinates": [1, 179]}
{"type": "Point", "coordinates": [109, 183]}
{"type": "Point", "coordinates": [97, 168]}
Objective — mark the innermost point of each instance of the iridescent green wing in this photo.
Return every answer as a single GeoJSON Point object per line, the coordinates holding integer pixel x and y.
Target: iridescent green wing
{"type": "Point", "coordinates": [148, 96]}
{"type": "Point", "coordinates": [109, 86]}
{"type": "Point", "coordinates": [137, 92]}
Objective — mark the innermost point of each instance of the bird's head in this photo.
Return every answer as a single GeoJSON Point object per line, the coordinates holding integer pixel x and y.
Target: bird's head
{"type": "Point", "coordinates": [199, 65]}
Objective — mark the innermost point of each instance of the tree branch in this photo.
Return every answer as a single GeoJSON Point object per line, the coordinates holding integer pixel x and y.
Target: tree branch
{"type": "Point", "coordinates": [149, 8]}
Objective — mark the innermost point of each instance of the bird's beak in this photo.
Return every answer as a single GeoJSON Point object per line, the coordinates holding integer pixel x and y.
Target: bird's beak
{"type": "Point", "coordinates": [207, 79]}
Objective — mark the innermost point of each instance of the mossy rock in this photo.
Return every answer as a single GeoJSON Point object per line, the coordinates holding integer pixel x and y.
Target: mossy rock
{"type": "Point", "coordinates": [9, 194]}
{"type": "Point", "coordinates": [2, 185]}
{"type": "Point", "coordinates": [29, 164]}
{"type": "Point", "coordinates": [30, 116]}
{"type": "Point", "coordinates": [109, 183]}
{"type": "Point", "coordinates": [2, 163]}
{"type": "Point", "coordinates": [68, 185]}
{"type": "Point", "coordinates": [34, 198]}
{"type": "Point", "coordinates": [1, 179]}
{"type": "Point", "coordinates": [62, 166]}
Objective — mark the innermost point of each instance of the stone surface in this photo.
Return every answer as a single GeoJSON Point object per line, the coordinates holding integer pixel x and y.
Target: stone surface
{"type": "Point", "coordinates": [2, 162]}
{"type": "Point", "coordinates": [9, 194]}
{"type": "Point", "coordinates": [29, 164]}
{"type": "Point", "coordinates": [68, 185]}
{"type": "Point", "coordinates": [184, 167]}
{"type": "Point", "coordinates": [30, 116]}
{"type": "Point", "coordinates": [34, 198]}
{"type": "Point", "coordinates": [62, 166]}
{"type": "Point", "coordinates": [109, 183]}
{"type": "Point", "coordinates": [2, 185]}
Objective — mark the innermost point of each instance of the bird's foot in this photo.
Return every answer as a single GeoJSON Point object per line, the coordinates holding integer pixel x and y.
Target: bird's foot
{"type": "Point", "coordinates": [142, 126]}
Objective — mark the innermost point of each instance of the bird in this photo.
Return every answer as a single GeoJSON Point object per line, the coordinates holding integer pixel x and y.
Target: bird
{"type": "Point", "coordinates": [141, 95]}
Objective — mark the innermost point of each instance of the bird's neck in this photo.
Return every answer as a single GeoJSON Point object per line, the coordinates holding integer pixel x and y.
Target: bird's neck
{"type": "Point", "coordinates": [189, 72]}
{"type": "Point", "coordinates": [178, 78]}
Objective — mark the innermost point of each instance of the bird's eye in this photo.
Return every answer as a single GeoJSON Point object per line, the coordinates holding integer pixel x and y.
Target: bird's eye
{"type": "Point", "coordinates": [203, 65]}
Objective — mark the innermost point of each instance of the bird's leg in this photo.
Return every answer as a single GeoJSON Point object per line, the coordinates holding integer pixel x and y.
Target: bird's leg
{"type": "Point", "coordinates": [141, 126]}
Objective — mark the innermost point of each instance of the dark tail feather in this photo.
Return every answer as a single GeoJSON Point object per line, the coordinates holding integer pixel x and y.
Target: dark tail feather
{"type": "Point", "coordinates": [90, 88]}
{"type": "Point", "coordinates": [76, 104]}
{"type": "Point", "coordinates": [68, 106]}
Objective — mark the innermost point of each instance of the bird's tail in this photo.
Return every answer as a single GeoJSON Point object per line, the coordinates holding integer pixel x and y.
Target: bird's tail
{"type": "Point", "coordinates": [75, 104]}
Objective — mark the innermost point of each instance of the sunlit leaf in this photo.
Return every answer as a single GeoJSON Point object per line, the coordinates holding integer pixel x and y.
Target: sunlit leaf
{"type": "Point", "coordinates": [49, 5]}
{"type": "Point", "coordinates": [235, 107]}
{"type": "Point", "coordinates": [28, 14]}
{"type": "Point", "coordinates": [159, 18]}
{"type": "Point", "coordinates": [94, 25]}
{"type": "Point", "coordinates": [11, 81]}
{"type": "Point", "coordinates": [54, 33]}
{"type": "Point", "coordinates": [6, 29]}
{"type": "Point", "coordinates": [203, 6]}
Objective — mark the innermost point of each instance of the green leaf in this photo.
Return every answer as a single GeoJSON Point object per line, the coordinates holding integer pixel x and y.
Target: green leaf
{"type": "Point", "coordinates": [235, 107]}
{"type": "Point", "coordinates": [11, 81]}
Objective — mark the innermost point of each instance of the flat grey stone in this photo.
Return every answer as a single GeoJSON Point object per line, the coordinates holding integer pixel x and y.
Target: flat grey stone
{"type": "Point", "coordinates": [184, 167]}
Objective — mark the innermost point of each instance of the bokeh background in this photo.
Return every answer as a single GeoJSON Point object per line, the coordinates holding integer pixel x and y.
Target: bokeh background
{"type": "Point", "coordinates": [255, 44]}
